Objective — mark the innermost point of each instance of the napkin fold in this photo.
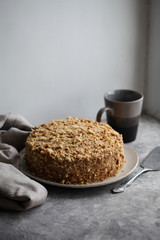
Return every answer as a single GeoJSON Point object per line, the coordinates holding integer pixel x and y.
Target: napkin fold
{"type": "Point", "coordinates": [17, 191]}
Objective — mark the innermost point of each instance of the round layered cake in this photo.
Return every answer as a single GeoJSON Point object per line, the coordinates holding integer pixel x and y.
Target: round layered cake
{"type": "Point", "coordinates": [74, 151]}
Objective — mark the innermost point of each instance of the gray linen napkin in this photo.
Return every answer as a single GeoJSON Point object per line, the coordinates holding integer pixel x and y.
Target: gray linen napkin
{"type": "Point", "coordinates": [17, 191]}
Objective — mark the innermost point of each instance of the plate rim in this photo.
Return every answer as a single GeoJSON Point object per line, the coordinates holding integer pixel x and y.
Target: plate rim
{"type": "Point", "coordinates": [121, 175]}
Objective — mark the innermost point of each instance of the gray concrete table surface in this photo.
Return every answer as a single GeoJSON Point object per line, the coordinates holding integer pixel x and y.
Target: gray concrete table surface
{"type": "Point", "coordinates": [96, 213]}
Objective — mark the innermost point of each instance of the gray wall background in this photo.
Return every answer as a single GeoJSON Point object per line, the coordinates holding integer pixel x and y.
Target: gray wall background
{"type": "Point", "coordinates": [58, 57]}
{"type": "Point", "coordinates": [152, 82]}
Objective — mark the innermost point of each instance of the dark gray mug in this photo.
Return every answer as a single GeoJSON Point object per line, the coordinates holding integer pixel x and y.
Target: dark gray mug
{"type": "Point", "coordinates": [123, 108]}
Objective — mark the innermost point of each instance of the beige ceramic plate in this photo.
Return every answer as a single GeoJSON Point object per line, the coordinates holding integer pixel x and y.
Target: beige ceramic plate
{"type": "Point", "coordinates": [131, 163]}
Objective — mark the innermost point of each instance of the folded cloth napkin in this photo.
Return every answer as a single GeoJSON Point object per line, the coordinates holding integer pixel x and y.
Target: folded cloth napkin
{"type": "Point", "coordinates": [17, 191]}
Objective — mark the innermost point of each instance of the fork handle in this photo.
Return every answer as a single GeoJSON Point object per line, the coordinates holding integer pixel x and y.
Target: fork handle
{"type": "Point", "coordinates": [129, 181]}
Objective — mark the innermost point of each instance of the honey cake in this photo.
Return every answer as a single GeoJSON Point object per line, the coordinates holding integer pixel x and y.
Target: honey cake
{"type": "Point", "coordinates": [74, 151]}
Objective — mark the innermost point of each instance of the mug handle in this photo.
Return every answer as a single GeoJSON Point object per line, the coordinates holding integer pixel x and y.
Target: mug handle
{"type": "Point", "coordinates": [100, 112]}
